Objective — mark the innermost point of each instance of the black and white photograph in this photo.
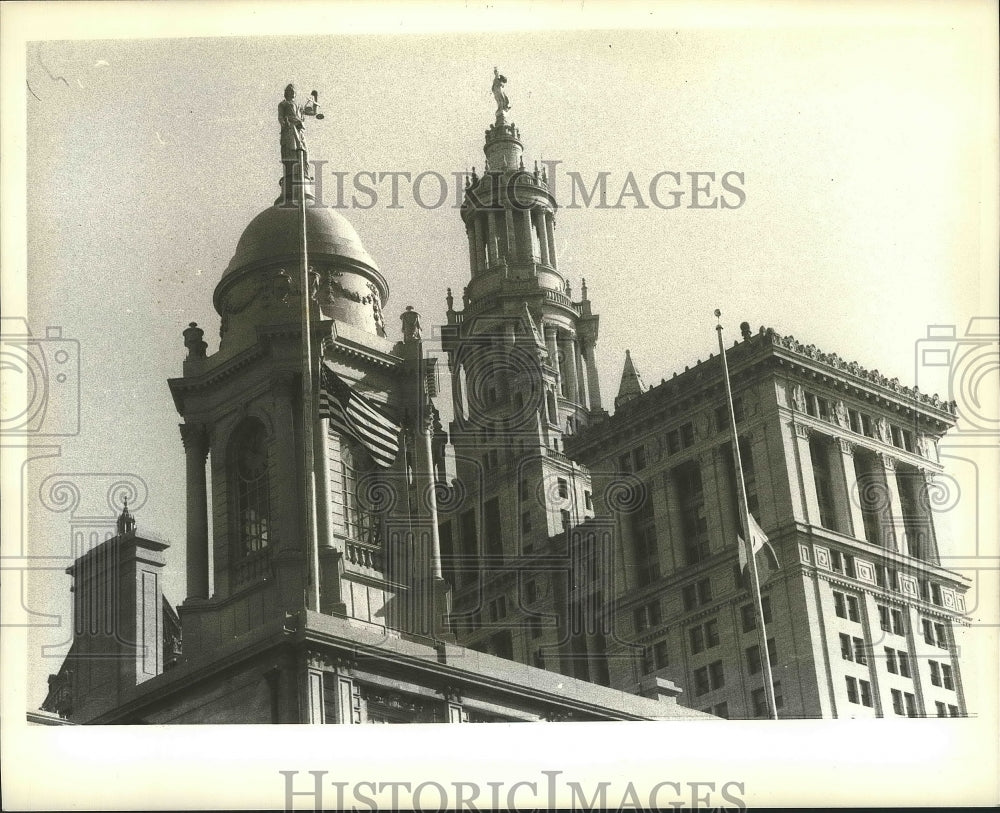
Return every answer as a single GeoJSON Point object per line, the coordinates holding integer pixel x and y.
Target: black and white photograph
{"type": "Point", "coordinates": [630, 370]}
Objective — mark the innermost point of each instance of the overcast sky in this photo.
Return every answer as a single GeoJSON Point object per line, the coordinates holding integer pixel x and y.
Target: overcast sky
{"type": "Point", "coordinates": [865, 143]}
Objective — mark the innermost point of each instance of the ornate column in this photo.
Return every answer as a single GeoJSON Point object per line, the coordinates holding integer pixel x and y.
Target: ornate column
{"type": "Point", "coordinates": [195, 439]}
{"type": "Point", "coordinates": [522, 231]}
{"type": "Point", "coordinates": [470, 232]}
{"type": "Point", "coordinates": [806, 480]}
{"type": "Point", "coordinates": [846, 483]}
{"type": "Point", "coordinates": [479, 236]}
{"type": "Point", "coordinates": [491, 239]}
{"type": "Point", "coordinates": [892, 514]}
{"type": "Point", "coordinates": [549, 220]}
{"type": "Point", "coordinates": [593, 384]}
{"type": "Point", "coordinates": [581, 375]}
{"type": "Point", "coordinates": [538, 219]}
{"type": "Point", "coordinates": [569, 365]}
{"type": "Point", "coordinates": [510, 238]}
{"type": "Point", "coordinates": [551, 343]}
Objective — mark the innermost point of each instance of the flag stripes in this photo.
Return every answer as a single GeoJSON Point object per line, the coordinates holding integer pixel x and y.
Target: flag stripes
{"type": "Point", "coordinates": [356, 417]}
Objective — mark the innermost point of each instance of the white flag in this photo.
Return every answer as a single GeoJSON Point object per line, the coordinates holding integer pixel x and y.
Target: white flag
{"type": "Point", "coordinates": [758, 540]}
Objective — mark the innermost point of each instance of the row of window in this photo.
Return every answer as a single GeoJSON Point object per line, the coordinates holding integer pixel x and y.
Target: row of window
{"type": "Point", "coordinates": [846, 606]}
{"type": "Point", "coordinates": [941, 675]}
{"type": "Point", "coordinates": [946, 710]}
{"type": "Point", "coordinates": [646, 616]}
{"type": "Point", "coordinates": [897, 662]}
{"type": "Point", "coordinates": [696, 594]}
{"type": "Point", "coordinates": [853, 649]}
{"type": "Point", "coordinates": [859, 691]}
{"type": "Point", "coordinates": [860, 422]}
{"type": "Point", "coordinates": [709, 678]}
{"type": "Point", "coordinates": [904, 703]}
{"type": "Point", "coordinates": [655, 657]}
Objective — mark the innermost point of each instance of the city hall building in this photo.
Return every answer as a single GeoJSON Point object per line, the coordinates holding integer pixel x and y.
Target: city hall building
{"type": "Point", "coordinates": [528, 551]}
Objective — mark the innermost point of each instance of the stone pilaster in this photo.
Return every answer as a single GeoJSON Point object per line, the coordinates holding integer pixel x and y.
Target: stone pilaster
{"type": "Point", "coordinates": [195, 439]}
{"type": "Point", "coordinates": [845, 480]}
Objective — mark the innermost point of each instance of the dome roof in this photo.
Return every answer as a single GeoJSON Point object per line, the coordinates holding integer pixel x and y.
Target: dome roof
{"type": "Point", "coordinates": [275, 234]}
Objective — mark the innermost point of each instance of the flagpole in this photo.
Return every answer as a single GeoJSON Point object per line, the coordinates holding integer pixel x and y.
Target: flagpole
{"type": "Point", "coordinates": [308, 449]}
{"type": "Point", "coordinates": [744, 513]}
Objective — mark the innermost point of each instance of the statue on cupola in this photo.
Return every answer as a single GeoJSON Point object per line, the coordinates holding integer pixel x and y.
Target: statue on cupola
{"type": "Point", "coordinates": [503, 103]}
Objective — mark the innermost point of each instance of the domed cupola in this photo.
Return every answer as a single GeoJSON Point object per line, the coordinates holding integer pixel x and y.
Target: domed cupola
{"type": "Point", "coordinates": [260, 284]}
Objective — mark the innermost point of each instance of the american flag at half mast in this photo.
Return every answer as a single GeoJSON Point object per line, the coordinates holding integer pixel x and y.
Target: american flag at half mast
{"type": "Point", "coordinates": [356, 417]}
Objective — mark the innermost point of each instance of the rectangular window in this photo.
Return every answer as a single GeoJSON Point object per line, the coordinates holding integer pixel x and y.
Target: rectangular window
{"type": "Point", "coordinates": [855, 420]}
{"type": "Point", "coordinates": [498, 608]}
{"type": "Point", "coordinates": [697, 638]}
{"type": "Point", "coordinates": [897, 702]}
{"type": "Point", "coordinates": [588, 500]}
{"type": "Point", "coordinates": [890, 660]}
{"type": "Point", "coordinates": [673, 442]}
{"type": "Point", "coordinates": [866, 693]}
{"type": "Point", "coordinates": [687, 435]}
{"type": "Point", "coordinates": [711, 634]}
{"type": "Point", "coordinates": [704, 591]}
{"type": "Point", "coordinates": [689, 597]}
{"type": "Point", "coordinates": [941, 709]}
{"type": "Point", "coordinates": [625, 463]}
{"type": "Point", "coordinates": [840, 604]}
{"type": "Point", "coordinates": [897, 622]}
{"type": "Point", "coordinates": [846, 651]}
{"type": "Point", "coordinates": [530, 591]}
{"type": "Point", "coordinates": [749, 617]}
{"type": "Point", "coordinates": [883, 617]}
{"type": "Point", "coordinates": [647, 660]}
{"type": "Point", "coordinates": [639, 458]}
{"type": "Point", "coordinates": [836, 561]}
{"type": "Point", "coordinates": [852, 689]}
{"type": "Point", "coordinates": [935, 673]}
{"type": "Point", "coordinates": [716, 675]}
{"type": "Point", "coordinates": [911, 704]}
{"type": "Point", "coordinates": [946, 679]}
{"type": "Point", "coordinates": [953, 711]}
{"type": "Point", "coordinates": [939, 636]}
{"type": "Point", "coordinates": [694, 523]}
{"type": "Point", "coordinates": [853, 609]}
{"type": "Point", "coordinates": [701, 685]}
{"type": "Point", "coordinates": [904, 664]}
{"type": "Point", "coordinates": [859, 651]}
{"type": "Point", "coordinates": [562, 488]}
{"type": "Point", "coordinates": [660, 654]}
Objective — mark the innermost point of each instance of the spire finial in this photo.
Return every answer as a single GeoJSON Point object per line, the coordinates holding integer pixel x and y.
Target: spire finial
{"type": "Point", "coordinates": [126, 522]}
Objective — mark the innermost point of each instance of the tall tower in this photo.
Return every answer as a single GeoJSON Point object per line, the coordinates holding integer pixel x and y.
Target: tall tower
{"type": "Point", "coordinates": [521, 356]}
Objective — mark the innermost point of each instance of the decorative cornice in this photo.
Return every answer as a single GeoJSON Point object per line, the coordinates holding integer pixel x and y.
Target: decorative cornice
{"type": "Point", "coordinates": [852, 368]}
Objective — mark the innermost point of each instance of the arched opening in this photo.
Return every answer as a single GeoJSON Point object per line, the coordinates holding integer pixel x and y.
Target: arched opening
{"type": "Point", "coordinates": [249, 470]}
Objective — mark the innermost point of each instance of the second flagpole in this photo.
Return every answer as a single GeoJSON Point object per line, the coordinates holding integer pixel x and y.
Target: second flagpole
{"type": "Point", "coordinates": [744, 514]}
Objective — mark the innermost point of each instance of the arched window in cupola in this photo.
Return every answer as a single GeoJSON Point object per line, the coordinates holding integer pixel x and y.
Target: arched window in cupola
{"type": "Point", "coordinates": [248, 464]}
